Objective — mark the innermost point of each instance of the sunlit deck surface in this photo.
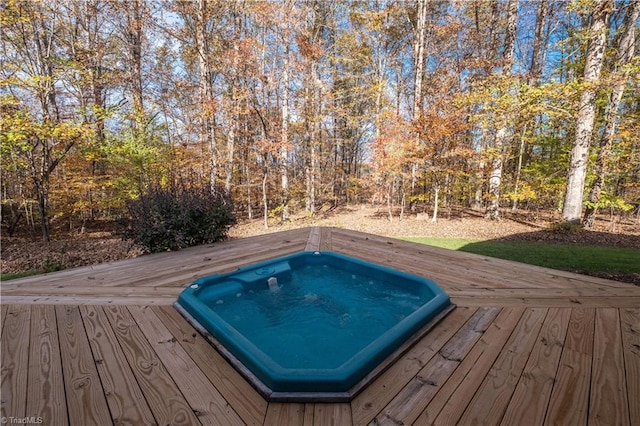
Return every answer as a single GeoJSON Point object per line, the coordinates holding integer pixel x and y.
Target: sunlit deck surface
{"type": "Point", "coordinates": [525, 346]}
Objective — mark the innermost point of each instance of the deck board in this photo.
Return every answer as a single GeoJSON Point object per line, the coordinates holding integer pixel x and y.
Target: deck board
{"type": "Point", "coordinates": [86, 400]}
{"type": "Point", "coordinates": [531, 396]}
{"type": "Point", "coordinates": [204, 399]}
{"type": "Point", "coordinates": [165, 400]}
{"type": "Point", "coordinates": [331, 414]}
{"type": "Point", "coordinates": [243, 398]}
{"type": "Point", "coordinates": [326, 240]}
{"type": "Point", "coordinates": [526, 345]}
{"type": "Point", "coordinates": [285, 414]}
{"type": "Point", "coordinates": [490, 402]}
{"type": "Point", "coordinates": [378, 394]}
{"type": "Point", "coordinates": [3, 315]}
{"type": "Point", "coordinates": [630, 324]}
{"type": "Point", "coordinates": [608, 402]}
{"type": "Point", "coordinates": [124, 396]}
{"type": "Point", "coordinates": [569, 402]}
{"type": "Point", "coordinates": [463, 385]}
{"type": "Point", "coordinates": [489, 332]}
{"type": "Point", "coordinates": [459, 270]}
{"type": "Point", "coordinates": [407, 404]}
{"type": "Point", "coordinates": [313, 242]}
{"type": "Point", "coordinates": [45, 383]}
{"type": "Point", "coordinates": [309, 412]}
{"type": "Point", "coordinates": [15, 348]}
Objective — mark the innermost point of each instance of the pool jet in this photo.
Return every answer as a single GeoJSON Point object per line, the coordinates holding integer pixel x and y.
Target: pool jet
{"type": "Point", "coordinates": [273, 284]}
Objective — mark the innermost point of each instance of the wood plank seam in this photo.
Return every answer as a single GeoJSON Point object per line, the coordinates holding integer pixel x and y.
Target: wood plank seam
{"type": "Point", "coordinates": [86, 402]}
{"type": "Point", "coordinates": [166, 401]}
{"type": "Point", "coordinates": [608, 403]}
{"type": "Point", "coordinates": [408, 404]}
{"type": "Point", "coordinates": [569, 402]}
{"type": "Point", "coordinates": [630, 326]}
{"type": "Point", "coordinates": [237, 391]}
{"type": "Point", "coordinates": [533, 391]}
{"type": "Point", "coordinates": [199, 392]}
{"type": "Point", "coordinates": [488, 351]}
{"type": "Point", "coordinates": [124, 396]}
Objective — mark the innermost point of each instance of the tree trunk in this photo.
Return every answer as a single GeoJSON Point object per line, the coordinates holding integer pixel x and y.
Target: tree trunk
{"type": "Point", "coordinates": [228, 167]}
{"type": "Point", "coordinates": [495, 177]}
{"type": "Point", "coordinates": [572, 207]}
{"type": "Point", "coordinates": [516, 185]}
{"type": "Point", "coordinates": [311, 177]}
{"type": "Point", "coordinates": [625, 52]}
{"type": "Point", "coordinates": [312, 112]}
{"type": "Point", "coordinates": [207, 128]}
{"type": "Point", "coordinates": [42, 166]}
{"type": "Point", "coordinates": [419, 41]}
{"type": "Point", "coordinates": [389, 201]}
{"type": "Point", "coordinates": [284, 138]}
{"type": "Point", "coordinates": [134, 16]}
{"type": "Point", "coordinates": [436, 194]}
{"type": "Point", "coordinates": [235, 101]}
{"type": "Point", "coordinates": [43, 208]}
{"type": "Point", "coordinates": [265, 199]}
{"type": "Point", "coordinates": [249, 198]}
{"type": "Point", "coordinates": [418, 57]}
{"type": "Point", "coordinates": [539, 45]}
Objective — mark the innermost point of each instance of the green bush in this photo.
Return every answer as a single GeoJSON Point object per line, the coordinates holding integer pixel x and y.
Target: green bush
{"type": "Point", "coordinates": [173, 218]}
{"type": "Point", "coordinates": [567, 227]}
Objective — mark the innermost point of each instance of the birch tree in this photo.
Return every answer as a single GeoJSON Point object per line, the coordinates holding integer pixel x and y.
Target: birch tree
{"type": "Point", "coordinates": [625, 51]}
{"type": "Point", "coordinates": [419, 41]}
{"type": "Point", "coordinates": [495, 178]}
{"type": "Point", "coordinates": [572, 207]}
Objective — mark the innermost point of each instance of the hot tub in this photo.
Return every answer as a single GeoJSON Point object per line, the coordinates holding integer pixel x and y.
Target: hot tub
{"type": "Point", "coordinates": [312, 326]}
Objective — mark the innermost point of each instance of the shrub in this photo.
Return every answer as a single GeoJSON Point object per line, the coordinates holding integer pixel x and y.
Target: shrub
{"type": "Point", "coordinates": [173, 218]}
{"type": "Point", "coordinates": [566, 227]}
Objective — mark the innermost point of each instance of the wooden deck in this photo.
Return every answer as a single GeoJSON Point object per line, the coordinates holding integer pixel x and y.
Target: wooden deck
{"type": "Point", "coordinates": [525, 346]}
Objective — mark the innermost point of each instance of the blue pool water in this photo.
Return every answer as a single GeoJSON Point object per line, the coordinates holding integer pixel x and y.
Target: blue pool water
{"type": "Point", "coordinates": [312, 322]}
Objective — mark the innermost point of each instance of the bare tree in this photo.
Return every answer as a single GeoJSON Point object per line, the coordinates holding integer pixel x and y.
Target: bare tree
{"type": "Point", "coordinates": [132, 31]}
{"type": "Point", "coordinates": [538, 55]}
{"type": "Point", "coordinates": [30, 45]}
{"type": "Point", "coordinates": [205, 85]}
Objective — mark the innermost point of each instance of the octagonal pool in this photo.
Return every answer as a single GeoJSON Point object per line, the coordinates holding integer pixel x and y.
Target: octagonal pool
{"type": "Point", "coordinates": [312, 326]}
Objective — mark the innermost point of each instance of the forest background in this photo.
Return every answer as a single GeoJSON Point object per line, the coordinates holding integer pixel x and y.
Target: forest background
{"type": "Point", "coordinates": [291, 106]}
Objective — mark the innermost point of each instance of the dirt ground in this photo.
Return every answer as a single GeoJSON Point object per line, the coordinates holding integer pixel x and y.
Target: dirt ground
{"type": "Point", "coordinates": [20, 254]}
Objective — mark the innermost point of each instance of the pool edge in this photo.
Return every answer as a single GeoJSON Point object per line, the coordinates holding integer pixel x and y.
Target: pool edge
{"type": "Point", "coordinates": [328, 397]}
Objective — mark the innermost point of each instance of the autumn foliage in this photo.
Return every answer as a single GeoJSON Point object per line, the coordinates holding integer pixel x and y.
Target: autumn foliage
{"type": "Point", "coordinates": [287, 106]}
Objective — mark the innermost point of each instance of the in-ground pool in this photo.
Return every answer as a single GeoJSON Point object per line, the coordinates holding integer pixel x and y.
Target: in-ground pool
{"type": "Point", "coordinates": [312, 325]}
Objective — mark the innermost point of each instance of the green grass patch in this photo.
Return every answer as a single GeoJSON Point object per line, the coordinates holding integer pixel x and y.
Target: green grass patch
{"type": "Point", "coordinates": [49, 266]}
{"type": "Point", "coordinates": [568, 257]}
{"type": "Point", "coordinates": [7, 277]}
